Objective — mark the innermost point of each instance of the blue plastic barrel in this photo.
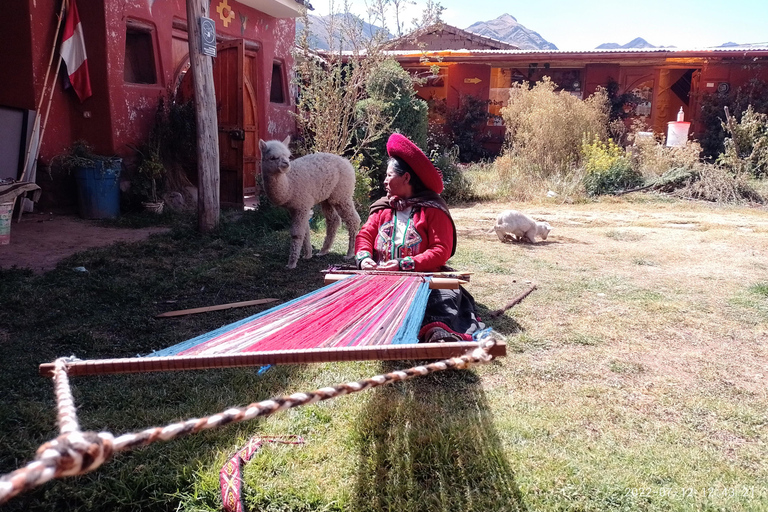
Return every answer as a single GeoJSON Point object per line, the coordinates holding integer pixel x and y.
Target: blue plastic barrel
{"type": "Point", "coordinates": [98, 190]}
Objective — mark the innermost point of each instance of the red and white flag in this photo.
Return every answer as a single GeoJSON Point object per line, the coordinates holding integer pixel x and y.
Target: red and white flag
{"type": "Point", "coordinates": [73, 52]}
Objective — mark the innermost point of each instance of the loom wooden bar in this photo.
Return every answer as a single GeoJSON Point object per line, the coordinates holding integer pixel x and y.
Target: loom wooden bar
{"type": "Point", "coordinates": [441, 283]}
{"type": "Point", "coordinates": [192, 311]}
{"type": "Point", "coordinates": [457, 275]}
{"type": "Point", "coordinates": [428, 351]}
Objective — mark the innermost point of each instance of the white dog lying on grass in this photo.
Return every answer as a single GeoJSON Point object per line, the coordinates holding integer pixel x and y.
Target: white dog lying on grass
{"type": "Point", "coordinates": [512, 225]}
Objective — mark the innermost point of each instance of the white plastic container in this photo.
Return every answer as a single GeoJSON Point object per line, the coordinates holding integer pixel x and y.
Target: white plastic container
{"type": "Point", "coordinates": [677, 133]}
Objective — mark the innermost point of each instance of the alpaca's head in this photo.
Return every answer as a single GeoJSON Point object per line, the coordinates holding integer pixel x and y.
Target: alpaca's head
{"type": "Point", "coordinates": [275, 156]}
{"type": "Point", "coordinates": [544, 228]}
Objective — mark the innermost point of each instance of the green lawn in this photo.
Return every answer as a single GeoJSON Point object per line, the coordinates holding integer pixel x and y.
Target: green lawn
{"type": "Point", "coordinates": [635, 377]}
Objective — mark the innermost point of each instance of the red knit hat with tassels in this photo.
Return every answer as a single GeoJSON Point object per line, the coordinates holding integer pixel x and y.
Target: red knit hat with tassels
{"type": "Point", "coordinates": [401, 147]}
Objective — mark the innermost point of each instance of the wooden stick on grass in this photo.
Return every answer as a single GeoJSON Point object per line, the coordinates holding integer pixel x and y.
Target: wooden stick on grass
{"type": "Point", "coordinates": [515, 301]}
{"type": "Point", "coordinates": [182, 312]}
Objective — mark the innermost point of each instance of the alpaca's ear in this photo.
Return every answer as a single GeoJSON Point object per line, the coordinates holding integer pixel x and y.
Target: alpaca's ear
{"type": "Point", "coordinates": [262, 145]}
{"type": "Point", "coordinates": [287, 140]}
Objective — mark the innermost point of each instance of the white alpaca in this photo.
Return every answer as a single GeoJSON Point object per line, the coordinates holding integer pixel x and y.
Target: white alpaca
{"type": "Point", "coordinates": [299, 185]}
{"type": "Point", "coordinates": [513, 225]}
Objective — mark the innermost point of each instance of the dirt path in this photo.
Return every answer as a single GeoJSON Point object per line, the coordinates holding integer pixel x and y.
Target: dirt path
{"type": "Point", "coordinates": [40, 241]}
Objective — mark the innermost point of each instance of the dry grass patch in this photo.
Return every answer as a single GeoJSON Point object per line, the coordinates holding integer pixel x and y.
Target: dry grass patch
{"type": "Point", "coordinates": [642, 358]}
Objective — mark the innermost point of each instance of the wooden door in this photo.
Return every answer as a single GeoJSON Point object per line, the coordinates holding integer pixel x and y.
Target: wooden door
{"type": "Point", "coordinates": [234, 71]}
{"type": "Point", "coordinates": [229, 86]}
{"type": "Point", "coordinates": [251, 156]}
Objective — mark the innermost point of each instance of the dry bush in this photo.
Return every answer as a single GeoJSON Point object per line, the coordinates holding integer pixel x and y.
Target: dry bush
{"type": "Point", "coordinates": [652, 159]}
{"type": "Point", "coordinates": [509, 178]}
{"type": "Point", "coordinates": [681, 172]}
{"type": "Point", "coordinates": [718, 184]}
{"type": "Point", "coordinates": [545, 128]}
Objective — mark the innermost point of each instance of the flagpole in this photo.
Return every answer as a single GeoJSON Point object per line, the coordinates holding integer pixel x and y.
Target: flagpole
{"type": "Point", "coordinates": [36, 125]}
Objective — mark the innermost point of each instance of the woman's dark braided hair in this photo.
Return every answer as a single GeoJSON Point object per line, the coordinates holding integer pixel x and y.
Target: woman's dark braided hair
{"type": "Point", "coordinates": [400, 167]}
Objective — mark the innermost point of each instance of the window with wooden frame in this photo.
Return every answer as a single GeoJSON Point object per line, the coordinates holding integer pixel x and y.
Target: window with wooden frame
{"type": "Point", "coordinates": [139, 66]}
{"type": "Point", "coordinates": [277, 89]}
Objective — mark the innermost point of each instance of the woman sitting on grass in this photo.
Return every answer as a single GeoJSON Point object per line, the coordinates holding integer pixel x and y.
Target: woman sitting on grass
{"type": "Point", "coordinates": [411, 229]}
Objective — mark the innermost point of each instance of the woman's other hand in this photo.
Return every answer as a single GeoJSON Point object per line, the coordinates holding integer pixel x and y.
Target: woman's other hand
{"type": "Point", "coordinates": [368, 264]}
{"type": "Point", "coordinates": [389, 265]}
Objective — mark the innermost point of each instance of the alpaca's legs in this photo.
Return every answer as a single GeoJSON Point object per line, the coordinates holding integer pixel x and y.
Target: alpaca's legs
{"type": "Point", "coordinates": [352, 221]}
{"type": "Point", "coordinates": [307, 244]}
{"type": "Point", "coordinates": [299, 235]}
{"type": "Point", "coordinates": [332, 223]}
{"type": "Point", "coordinates": [530, 235]}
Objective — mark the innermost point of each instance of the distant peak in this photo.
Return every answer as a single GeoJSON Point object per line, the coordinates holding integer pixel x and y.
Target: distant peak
{"type": "Point", "coordinates": [637, 42]}
{"type": "Point", "coordinates": [506, 16]}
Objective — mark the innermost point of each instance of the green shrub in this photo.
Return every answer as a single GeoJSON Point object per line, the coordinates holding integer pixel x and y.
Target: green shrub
{"type": "Point", "coordinates": [608, 168]}
{"type": "Point", "coordinates": [545, 128]}
{"type": "Point", "coordinates": [362, 195]}
{"type": "Point", "coordinates": [463, 128]}
{"type": "Point", "coordinates": [458, 188]}
{"type": "Point", "coordinates": [754, 92]}
{"type": "Point", "coordinates": [746, 147]}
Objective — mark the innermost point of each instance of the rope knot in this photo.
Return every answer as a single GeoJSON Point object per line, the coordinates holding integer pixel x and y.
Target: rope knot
{"type": "Point", "coordinates": [76, 453]}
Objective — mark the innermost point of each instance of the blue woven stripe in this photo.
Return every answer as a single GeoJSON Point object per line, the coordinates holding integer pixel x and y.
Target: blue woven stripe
{"type": "Point", "coordinates": [409, 331]}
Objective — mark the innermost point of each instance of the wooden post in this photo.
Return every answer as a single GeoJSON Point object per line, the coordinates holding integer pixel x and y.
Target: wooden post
{"type": "Point", "coordinates": [201, 67]}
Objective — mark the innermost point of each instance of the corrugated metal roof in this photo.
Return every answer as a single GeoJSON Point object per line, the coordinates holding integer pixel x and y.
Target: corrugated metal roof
{"type": "Point", "coordinates": [740, 49]}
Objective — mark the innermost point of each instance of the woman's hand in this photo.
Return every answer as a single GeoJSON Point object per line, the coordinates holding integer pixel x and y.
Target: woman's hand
{"type": "Point", "coordinates": [368, 264]}
{"type": "Point", "coordinates": [389, 265]}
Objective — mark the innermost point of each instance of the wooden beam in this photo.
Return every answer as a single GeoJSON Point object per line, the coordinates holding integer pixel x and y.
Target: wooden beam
{"type": "Point", "coordinates": [425, 351]}
{"type": "Point", "coordinates": [514, 302]}
{"type": "Point", "coordinates": [437, 283]}
{"type": "Point", "coordinates": [219, 307]}
{"type": "Point", "coordinates": [201, 67]}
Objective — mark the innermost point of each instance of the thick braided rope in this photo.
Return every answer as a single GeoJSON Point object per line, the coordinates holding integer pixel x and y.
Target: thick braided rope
{"type": "Point", "coordinates": [67, 413]}
{"type": "Point", "coordinates": [76, 453]}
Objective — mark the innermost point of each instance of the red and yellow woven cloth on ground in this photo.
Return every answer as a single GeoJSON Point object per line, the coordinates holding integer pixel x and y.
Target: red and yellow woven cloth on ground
{"type": "Point", "coordinates": [230, 476]}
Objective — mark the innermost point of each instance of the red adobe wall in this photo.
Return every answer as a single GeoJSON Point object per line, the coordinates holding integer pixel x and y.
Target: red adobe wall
{"type": "Point", "coordinates": [598, 75]}
{"type": "Point", "coordinates": [133, 105]}
{"type": "Point", "coordinates": [475, 80]}
{"type": "Point", "coordinates": [16, 57]}
{"type": "Point", "coordinates": [27, 38]}
{"type": "Point", "coordinates": [118, 113]}
{"type": "Point", "coordinates": [461, 81]}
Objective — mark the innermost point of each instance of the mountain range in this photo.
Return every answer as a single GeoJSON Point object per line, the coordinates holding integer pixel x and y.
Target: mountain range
{"type": "Point", "coordinates": [504, 28]}
{"type": "Point", "coordinates": [320, 28]}
{"type": "Point", "coordinates": [637, 42]}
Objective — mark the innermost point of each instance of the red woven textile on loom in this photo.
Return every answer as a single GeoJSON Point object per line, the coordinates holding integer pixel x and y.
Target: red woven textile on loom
{"type": "Point", "coordinates": [359, 310]}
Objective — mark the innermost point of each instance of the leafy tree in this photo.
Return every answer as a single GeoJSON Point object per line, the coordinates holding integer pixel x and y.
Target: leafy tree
{"type": "Point", "coordinates": [391, 94]}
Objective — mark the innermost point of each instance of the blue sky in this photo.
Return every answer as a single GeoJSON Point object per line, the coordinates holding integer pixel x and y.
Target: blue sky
{"type": "Point", "coordinates": [575, 25]}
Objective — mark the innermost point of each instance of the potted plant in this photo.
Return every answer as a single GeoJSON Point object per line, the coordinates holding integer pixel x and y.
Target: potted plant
{"type": "Point", "coordinates": [97, 179]}
{"type": "Point", "coordinates": [151, 168]}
